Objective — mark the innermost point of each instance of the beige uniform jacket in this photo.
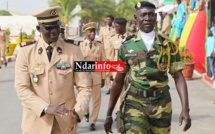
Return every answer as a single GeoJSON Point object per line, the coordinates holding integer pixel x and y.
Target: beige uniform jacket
{"type": "Point", "coordinates": [3, 37]}
{"type": "Point", "coordinates": [96, 53]}
{"type": "Point", "coordinates": [104, 36]}
{"type": "Point", "coordinates": [115, 43]}
{"type": "Point", "coordinates": [166, 28]}
{"type": "Point", "coordinates": [54, 85]}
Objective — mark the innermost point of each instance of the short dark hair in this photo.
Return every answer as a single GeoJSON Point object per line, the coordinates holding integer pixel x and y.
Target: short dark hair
{"type": "Point", "coordinates": [121, 21]}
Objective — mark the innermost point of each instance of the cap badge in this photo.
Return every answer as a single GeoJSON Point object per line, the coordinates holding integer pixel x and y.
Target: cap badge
{"type": "Point", "coordinates": [53, 12]}
{"type": "Point", "coordinates": [139, 5]}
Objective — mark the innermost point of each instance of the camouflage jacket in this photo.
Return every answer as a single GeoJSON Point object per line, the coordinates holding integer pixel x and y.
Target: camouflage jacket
{"type": "Point", "coordinates": [144, 73]}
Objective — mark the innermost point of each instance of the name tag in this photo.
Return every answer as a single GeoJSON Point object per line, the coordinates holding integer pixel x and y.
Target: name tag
{"type": "Point", "coordinates": [130, 55]}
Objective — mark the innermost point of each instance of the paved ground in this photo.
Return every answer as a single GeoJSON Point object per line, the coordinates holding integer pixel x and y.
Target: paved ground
{"type": "Point", "coordinates": [201, 96]}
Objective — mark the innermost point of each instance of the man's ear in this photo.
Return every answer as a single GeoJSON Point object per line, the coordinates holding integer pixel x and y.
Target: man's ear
{"type": "Point", "coordinates": [135, 17]}
{"type": "Point", "coordinates": [156, 16]}
{"type": "Point", "coordinates": [38, 28]}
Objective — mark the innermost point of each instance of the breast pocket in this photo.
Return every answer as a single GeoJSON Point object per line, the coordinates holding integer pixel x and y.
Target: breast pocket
{"type": "Point", "coordinates": [65, 76]}
{"type": "Point", "coordinates": [37, 75]}
{"type": "Point", "coordinates": [97, 55]}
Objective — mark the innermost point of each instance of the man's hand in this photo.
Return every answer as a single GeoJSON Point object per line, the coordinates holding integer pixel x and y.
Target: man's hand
{"type": "Point", "coordinates": [57, 109]}
{"type": "Point", "coordinates": [103, 83]}
{"type": "Point", "coordinates": [74, 119]}
{"type": "Point", "coordinates": [108, 123]}
{"type": "Point", "coordinates": [186, 117]}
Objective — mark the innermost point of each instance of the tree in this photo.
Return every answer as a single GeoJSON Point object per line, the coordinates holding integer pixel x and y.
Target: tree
{"type": "Point", "coordinates": [98, 9]}
{"type": "Point", "coordinates": [4, 13]}
{"type": "Point", "coordinates": [68, 7]}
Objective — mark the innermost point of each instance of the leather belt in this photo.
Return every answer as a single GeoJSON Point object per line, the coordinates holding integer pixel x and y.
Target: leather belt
{"type": "Point", "coordinates": [147, 93]}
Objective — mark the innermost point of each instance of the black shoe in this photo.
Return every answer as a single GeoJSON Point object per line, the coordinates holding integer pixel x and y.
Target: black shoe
{"type": "Point", "coordinates": [0, 67]}
{"type": "Point", "coordinates": [5, 64]}
{"type": "Point", "coordinates": [92, 127]}
{"type": "Point", "coordinates": [108, 92]}
{"type": "Point", "coordinates": [86, 117]}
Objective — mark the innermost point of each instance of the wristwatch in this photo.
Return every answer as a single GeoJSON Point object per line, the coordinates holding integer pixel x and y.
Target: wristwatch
{"type": "Point", "coordinates": [44, 111]}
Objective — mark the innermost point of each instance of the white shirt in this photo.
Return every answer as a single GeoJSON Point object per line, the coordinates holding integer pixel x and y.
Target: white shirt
{"type": "Point", "coordinates": [148, 39]}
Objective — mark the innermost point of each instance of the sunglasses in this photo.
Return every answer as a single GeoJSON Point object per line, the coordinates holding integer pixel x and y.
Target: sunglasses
{"type": "Point", "coordinates": [51, 27]}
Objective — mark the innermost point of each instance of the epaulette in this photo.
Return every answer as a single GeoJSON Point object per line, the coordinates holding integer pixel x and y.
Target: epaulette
{"type": "Point", "coordinates": [99, 41]}
{"type": "Point", "coordinates": [128, 38]}
{"type": "Point", "coordinates": [112, 35]}
{"type": "Point", "coordinates": [26, 43]}
{"type": "Point", "coordinates": [75, 42]}
{"type": "Point", "coordinates": [164, 39]}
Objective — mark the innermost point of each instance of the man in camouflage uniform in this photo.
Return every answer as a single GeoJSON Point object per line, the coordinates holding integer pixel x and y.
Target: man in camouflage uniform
{"type": "Point", "coordinates": [147, 106]}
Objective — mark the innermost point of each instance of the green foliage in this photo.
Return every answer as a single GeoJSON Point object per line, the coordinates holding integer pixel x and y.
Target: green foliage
{"type": "Point", "coordinates": [96, 10]}
{"type": "Point", "coordinates": [186, 55]}
{"type": "Point", "coordinates": [33, 32]}
{"type": "Point", "coordinates": [7, 31]}
{"type": "Point", "coordinates": [4, 13]}
{"type": "Point", "coordinates": [25, 36]}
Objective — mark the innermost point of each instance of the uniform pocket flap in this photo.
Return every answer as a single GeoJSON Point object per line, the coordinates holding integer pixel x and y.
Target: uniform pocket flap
{"type": "Point", "coordinates": [64, 72]}
{"type": "Point", "coordinates": [36, 70]}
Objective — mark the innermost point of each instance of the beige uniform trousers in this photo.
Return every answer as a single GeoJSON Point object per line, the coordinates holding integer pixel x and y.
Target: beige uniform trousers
{"type": "Point", "coordinates": [2, 52]}
{"type": "Point", "coordinates": [96, 102]}
{"type": "Point", "coordinates": [56, 129]}
{"type": "Point", "coordinates": [108, 81]}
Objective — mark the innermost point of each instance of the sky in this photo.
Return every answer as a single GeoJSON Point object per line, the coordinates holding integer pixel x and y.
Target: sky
{"type": "Point", "coordinates": [23, 7]}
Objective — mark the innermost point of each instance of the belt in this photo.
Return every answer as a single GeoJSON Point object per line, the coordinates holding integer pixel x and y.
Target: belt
{"type": "Point", "coordinates": [147, 93]}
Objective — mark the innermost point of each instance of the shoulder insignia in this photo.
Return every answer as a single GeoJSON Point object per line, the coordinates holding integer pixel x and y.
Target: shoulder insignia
{"type": "Point", "coordinates": [112, 35]}
{"type": "Point", "coordinates": [75, 42]}
{"type": "Point", "coordinates": [99, 41]}
{"type": "Point", "coordinates": [26, 43]}
{"type": "Point", "coordinates": [128, 38]}
{"type": "Point", "coordinates": [164, 39]}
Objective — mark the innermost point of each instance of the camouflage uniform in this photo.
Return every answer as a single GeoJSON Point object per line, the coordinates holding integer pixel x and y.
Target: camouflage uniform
{"type": "Point", "coordinates": [143, 114]}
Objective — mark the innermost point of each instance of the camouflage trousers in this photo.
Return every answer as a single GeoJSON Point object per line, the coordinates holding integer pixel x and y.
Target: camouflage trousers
{"type": "Point", "coordinates": [147, 116]}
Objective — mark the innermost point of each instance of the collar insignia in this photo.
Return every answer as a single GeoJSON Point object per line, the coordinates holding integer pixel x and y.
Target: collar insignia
{"type": "Point", "coordinates": [40, 50]}
{"type": "Point", "coordinates": [59, 50]}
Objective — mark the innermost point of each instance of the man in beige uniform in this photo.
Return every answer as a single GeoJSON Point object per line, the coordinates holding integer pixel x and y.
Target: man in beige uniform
{"type": "Point", "coordinates": [3, 40]}
{"type": "Point", "coordinates": [44, 80]}
{"type": "Point", "coordinates": [104, 36]}
{"type": "Point", "coordinates": [166, 28]}
{"type": "Point", "coordinates": [93, 51]}
{"type": "Point", "coordinates": [115, 43]}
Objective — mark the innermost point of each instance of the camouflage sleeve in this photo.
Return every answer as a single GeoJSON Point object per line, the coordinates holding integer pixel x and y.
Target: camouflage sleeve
{"type": "Point", "coordinates": [176, 64]}
{"type": "Point", "coordinates": [121, 57]}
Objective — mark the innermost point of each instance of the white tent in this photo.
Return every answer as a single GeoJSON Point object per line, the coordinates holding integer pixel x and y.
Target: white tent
{"type": "Point", "coordinates": [167, 8]}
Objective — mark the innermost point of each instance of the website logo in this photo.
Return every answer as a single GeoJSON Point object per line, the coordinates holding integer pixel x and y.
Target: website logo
{"type": "Point", "coordinates": [99, 66]}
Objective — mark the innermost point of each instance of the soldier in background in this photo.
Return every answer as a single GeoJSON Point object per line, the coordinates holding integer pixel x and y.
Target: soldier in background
{"type": "Point", "coordinates": [3, 40]}
{"type": "Point", "coordinates": [93, 51]}
{"type": "Point", "coordinates": [104, 36]}
{"type": "Point", "coordinates": [62, 30]}
{"type": "Point", "coordinates": [115, 43]}
{"type": "Point", "coordinates": [166, 28]}
{"type": "Point", "coordinates": [147, 106]}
